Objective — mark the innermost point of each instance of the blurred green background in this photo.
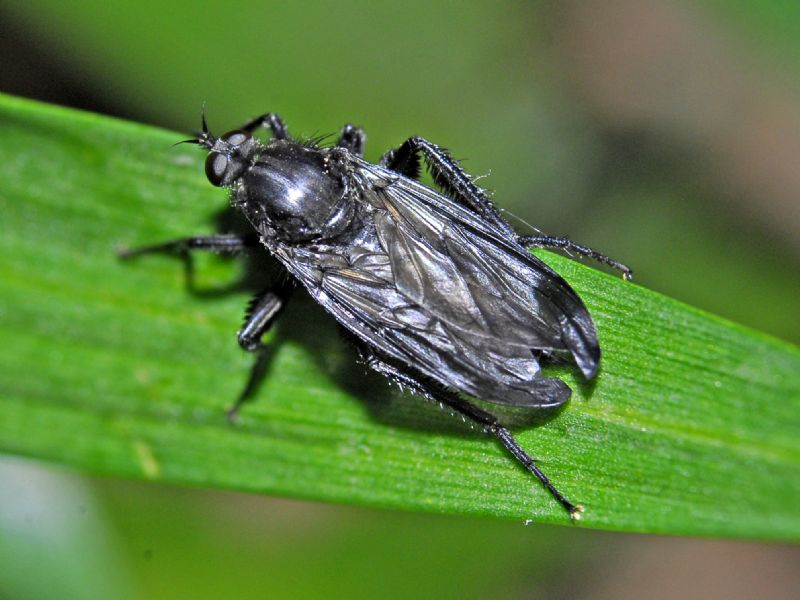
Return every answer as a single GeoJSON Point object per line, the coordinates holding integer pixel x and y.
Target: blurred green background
{"type": "Point", "coordinates": [666, 134]}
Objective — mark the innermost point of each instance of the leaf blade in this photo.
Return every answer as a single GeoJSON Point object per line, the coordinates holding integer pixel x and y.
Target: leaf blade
{"type": "Point", "coordinates": [114, 368]}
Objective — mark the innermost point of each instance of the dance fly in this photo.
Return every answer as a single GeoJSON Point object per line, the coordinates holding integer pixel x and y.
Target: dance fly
{"type": "Point", "coordinates": [435, 288]}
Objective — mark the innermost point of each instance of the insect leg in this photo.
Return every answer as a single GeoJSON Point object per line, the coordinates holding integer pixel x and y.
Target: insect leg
{"type": "Point", "coordinates": [182, 246]}
{"type": "Point", "coordinates": [562, 243]}
{"type": "Point", "coordinates": [352, 138]}
{"type": "Point", "coordinates": [260, 316]}
{"type": "Point", "coordinates": [474, 414]}
{"type": "Point", "coordinates": [183, 249]}
{"type": "Point", "coordinates": [447, 174]}
{"type": "Point", "coordinates": [406, 163]}
{"type": "Point", "coordinates": [272, 122]}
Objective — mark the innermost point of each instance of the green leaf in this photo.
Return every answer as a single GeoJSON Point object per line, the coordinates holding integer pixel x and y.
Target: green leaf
{"type": "Point", "coordinates": [120, 368]}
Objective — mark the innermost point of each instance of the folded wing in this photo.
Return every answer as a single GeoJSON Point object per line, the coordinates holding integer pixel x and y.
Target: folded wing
{"type": "Point", "coordinates": [443, 292]}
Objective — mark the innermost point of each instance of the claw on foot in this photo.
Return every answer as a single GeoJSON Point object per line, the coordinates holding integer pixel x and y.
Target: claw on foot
{"type": "Point", "coordinates": [576, 512]}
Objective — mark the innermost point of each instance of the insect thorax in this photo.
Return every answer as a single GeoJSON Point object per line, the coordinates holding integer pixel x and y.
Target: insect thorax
{"type": "Point", "coordinates": [292, 192]}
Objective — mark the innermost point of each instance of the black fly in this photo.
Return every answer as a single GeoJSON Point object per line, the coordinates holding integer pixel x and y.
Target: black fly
{"type": "Point", "coordinates": [438, 291]}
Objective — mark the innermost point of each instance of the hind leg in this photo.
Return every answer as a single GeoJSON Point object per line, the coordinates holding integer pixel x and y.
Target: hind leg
{"type": "Point", "coordinates": [469, 411]}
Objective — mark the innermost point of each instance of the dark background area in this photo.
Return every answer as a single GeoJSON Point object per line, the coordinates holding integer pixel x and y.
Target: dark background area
{"type": "Point", "coordinates": [666, 134]}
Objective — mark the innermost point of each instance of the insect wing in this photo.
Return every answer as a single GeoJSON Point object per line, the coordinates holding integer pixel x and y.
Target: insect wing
{"type": "Point", "coordinates": [519, 285]}
{"type": "Point", "coordinates": [444, 293]}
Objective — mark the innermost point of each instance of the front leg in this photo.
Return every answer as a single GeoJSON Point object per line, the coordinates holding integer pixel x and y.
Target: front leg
{"type": "Point", "coordinates": [262, 309]}
{"type": "Point", "coordinates": [183, 246]}
{"type": "Point", "coordinates": [261, 312]}
{"type": "Point", "coordinates": [272, 122]}
{"type": "Point", "coordinates": [562, 243]}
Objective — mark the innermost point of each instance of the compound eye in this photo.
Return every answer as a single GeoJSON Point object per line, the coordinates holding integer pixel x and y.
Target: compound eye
{"type": "Point", "coordinates": [216, 165]}
{"type": "Point", "coordinates": [236, 138]}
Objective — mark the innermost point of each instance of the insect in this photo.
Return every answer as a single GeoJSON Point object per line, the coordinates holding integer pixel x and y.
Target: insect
{"type": "Point", "coordinates": [437, 290]}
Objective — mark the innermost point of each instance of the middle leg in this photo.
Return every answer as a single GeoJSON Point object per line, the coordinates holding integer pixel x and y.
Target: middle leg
{"type": "Point", "coordinates": [260, 316]}
{"type": "Point", "coordinates": [448, 174]}
{"type": "Point", "coordinates": [352, 138]}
